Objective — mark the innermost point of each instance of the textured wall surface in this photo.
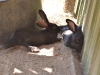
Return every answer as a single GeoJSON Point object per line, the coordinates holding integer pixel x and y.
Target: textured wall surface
{"type": "Point", "coordinates": [15, 14]}
{"type": "Point", "coordinates": [90, 19]}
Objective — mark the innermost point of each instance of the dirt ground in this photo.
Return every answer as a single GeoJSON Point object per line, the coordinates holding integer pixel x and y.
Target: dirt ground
{"type": "Point", "coordinates": [53, 59]}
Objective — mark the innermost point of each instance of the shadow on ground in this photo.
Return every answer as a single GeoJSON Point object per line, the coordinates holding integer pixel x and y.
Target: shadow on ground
{"type": "Point", "coordinates": [54, 59]}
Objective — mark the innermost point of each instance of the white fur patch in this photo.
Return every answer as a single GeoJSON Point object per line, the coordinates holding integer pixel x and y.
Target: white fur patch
{"type": "Point", "coordinates": [68, 32]}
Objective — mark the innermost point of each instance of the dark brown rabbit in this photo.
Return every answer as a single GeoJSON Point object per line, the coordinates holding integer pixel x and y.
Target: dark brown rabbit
{"type": "Point", "coordinates": [72, 35]}
{"type": "Point", "coordinates": [35, 37]}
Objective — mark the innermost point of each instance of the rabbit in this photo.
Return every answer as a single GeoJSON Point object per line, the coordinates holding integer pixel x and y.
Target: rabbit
{"type": "Point", "coordinates": [27, 37]}
{"type": "Point", "coordinates": [64, 28]}
{"type": "Point", "coordinates": [72, 35]}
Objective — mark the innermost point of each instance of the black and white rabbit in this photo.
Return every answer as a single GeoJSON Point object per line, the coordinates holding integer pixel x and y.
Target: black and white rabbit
{"type": "Point", "coordinates": [28, 37]}
{"type": "Point", "coordinates": [72, 35]}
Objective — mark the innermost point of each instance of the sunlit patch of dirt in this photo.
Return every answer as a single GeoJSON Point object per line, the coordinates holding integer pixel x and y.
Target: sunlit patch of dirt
{"type": "Point", "coordinates": [55, 11]}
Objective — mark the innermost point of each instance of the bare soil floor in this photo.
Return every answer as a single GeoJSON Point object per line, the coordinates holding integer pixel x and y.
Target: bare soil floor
{"type": "Point", "coordinates": [54, 59]}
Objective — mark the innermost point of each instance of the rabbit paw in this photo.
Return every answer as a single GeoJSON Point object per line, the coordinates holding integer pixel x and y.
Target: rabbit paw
{"type": "Point", "coordinates": [34, 49]}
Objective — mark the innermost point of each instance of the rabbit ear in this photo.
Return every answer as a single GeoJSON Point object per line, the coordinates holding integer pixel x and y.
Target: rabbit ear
{"type": "Point", "coordinates": [71, 25]}
{"type": "Point", "coordinates": [42, 24]}
{"type": "Point", "coordinates": [43, 16]}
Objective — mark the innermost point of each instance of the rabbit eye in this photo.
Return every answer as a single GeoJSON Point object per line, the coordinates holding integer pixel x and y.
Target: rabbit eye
{"type": "Point", "coordinates": [54, 27]}
{"type": "Point", "coordinates": [77, 41]}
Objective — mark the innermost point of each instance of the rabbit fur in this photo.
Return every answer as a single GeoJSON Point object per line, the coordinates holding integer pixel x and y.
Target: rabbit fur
{"type": "Point", "coordinates": [72, 35]}
{"type": "Point", "coordinates": [27, 37]}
